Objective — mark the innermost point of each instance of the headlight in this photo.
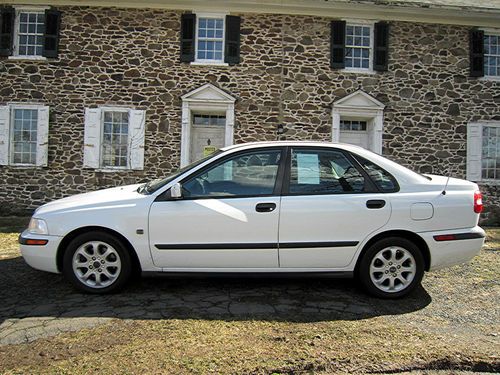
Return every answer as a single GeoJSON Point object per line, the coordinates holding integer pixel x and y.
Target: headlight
{"type": "Point", "coordinates": [38, 226]}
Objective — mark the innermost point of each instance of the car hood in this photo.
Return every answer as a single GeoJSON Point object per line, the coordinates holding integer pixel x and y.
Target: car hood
{"type": "Point", "coordinates": [106, 198]}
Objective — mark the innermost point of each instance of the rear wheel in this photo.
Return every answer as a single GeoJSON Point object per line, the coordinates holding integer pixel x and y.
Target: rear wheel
{"type": "Point", "coordinates": [97, 262]}
{"type": "Point", "coordinates": [391, 268]}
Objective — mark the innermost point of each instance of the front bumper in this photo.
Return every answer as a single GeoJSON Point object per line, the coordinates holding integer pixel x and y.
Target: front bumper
{"type": "Point", "coordinates": [446, 253]}
{"type": "Point", "coordinates": [40, 257]}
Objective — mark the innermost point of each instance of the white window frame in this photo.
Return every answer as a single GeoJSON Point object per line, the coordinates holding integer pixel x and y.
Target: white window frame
{"type": "Point", "coordinates": [495, 32]}
{"type": "Point", "coordinates": [42, 128]}
{"type": "Point", "coordinates": [371, 25]}
{"type": "Point", "coordinates": [15, 51]}
{"type": "Point", "coordinates": [207, 61]}
{"type": "Point", "coordinates": [93, 138]}
{"type": "Point", "coordinates": [471, 149]}
{"type": "Point", "coordinates": [351, 120]}
{"type": "Point", "coordinates": [11, 135]}
{"type": "Point", "coordinates": [101, 134]}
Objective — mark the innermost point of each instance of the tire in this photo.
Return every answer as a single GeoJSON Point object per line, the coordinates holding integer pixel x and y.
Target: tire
{"type": "Point", "coordinates": [391, 268]}
{"type": "Point", "coordinates": [97, 263]}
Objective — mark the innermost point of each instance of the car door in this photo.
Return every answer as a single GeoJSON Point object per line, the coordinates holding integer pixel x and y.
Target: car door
{"type": "Point", "coordinates": [329, 208]}
{"type": "Point", "coordinates": [227, 218]}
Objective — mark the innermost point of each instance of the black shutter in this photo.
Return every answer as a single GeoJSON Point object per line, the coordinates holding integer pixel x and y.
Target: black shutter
{"type": "Point", "coordinates": [337, 44]}
{"type": "Point", "coordinates": [7, 16]}
{"type": "Point", "coordinates": [188, 32]}
{"type": "Point", "coordinates": [381, 47]}
{"type": "Point", "coordinates": [232, 42]}
{"type": "Point", "coordinates": [476, 48]}
{"type": "Point", "coordinates": [51, 35]}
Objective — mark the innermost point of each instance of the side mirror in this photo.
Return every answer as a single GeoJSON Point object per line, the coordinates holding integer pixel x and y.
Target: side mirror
{"type": "Point", "coordinates": [176, 191]}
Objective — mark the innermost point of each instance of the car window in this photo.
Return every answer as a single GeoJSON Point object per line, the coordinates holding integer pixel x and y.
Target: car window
{"type": "Point", "coordinates": [154, 185]}
{"type": "Point", "coordinates": [383, 179]}
{"type": "Point", "coordinates": [323, 172]}
{"type": "Point", "coordinates": [249, 174]}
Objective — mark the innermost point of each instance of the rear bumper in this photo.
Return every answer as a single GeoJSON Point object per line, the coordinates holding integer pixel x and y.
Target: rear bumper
{"type": "Point", "coordinates": [444, 253]}
{"type": "Point", "coordinates": [40, 257]}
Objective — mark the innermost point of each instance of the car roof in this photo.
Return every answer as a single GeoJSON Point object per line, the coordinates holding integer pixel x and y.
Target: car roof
{"type": "Point", "coordinates": [344, 146]}
{"type": "Point", "coordinates": [290, 143]}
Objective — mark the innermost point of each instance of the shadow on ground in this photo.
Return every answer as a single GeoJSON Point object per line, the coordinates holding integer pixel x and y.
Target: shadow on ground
{"type": "Point", "coordinates": [29, 293]}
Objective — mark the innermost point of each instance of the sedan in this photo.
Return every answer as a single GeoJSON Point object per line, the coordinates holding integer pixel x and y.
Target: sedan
{"type": "Point", "coordinates": [286, 208]}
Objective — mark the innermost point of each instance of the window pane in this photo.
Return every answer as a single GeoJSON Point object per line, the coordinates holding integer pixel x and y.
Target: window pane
{"type": "Point", "coordinates": [490, 164]}
{"type": "Point", "coordinates": [210, 39]}
{"type": "Point", "coordinates": [30, 33]}
{"type": "Point", "coordinates": [353, 125]}
{"type": "Point", "coordinates": [323, 172]}
{"type": "Point", "coordinates": [115, 139]}
{"type": "Point", "coordinates": [357, 50]}
{"type": "Point", "coordinates": [492, 55]}
{"type": "Point", "coordinates": [209, 120]}
{"type": "Point", "coordinates": [24, 136]}
{"type": "Point", "coordinates": [250, 174]}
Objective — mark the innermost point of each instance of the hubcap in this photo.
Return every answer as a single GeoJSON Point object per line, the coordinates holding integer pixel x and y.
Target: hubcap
{"type": "Point", "coordinates": [392, 269]}
{"type": "Point", "coordinates": [96, 264]}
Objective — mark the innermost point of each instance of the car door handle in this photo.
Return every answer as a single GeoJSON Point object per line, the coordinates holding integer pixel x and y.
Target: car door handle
{"type": "Point", "coordinates": [265, 207]}
{"type": "Point", "coordinates": [375, 203]}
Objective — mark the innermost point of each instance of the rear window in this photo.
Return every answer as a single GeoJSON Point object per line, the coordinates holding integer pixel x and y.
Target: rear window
{"type": "Point", "coordinates": [384, 181]}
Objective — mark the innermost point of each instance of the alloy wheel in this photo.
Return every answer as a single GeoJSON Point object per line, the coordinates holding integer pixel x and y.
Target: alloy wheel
{"type": "Point", "coordinates": [392, 269]}
{"type": "Point", "coordinates": [96, 264]}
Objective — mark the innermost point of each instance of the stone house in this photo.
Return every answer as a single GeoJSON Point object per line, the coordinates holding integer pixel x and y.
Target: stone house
{"type": "Point", "coordinates": [96, 94]}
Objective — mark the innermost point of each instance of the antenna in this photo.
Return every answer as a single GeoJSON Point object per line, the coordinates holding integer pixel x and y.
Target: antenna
{"type": "Point", "coordinates": [445, 186]}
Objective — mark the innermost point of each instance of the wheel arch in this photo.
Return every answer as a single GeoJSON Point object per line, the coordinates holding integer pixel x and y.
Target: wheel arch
{"type": "Point", "coordinates": [136, 265]}
{"type": "Point", "coordinates": [411, 236]}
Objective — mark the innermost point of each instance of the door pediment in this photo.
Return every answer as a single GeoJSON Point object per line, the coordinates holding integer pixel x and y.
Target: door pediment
{"type": "Point", "coordinates": [208, 93]}
{"type": "Point", "coordinates": [360, 106]}
{"type": "Point", "coordinates": [359, 100]}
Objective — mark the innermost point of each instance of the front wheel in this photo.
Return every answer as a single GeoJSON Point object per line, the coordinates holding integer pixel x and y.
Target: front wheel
{"type": "Point", "coordinates": [391, 268]}
{"type": "Point", "coordinates": [97, 262]}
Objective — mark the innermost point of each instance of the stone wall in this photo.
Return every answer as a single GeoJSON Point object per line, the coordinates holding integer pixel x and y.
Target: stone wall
{"type": "Point", "coordinates": [130, 57]}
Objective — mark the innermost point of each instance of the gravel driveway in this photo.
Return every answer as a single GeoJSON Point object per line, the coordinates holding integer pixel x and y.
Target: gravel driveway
{"type": "Point", "coordinates": [461, 302]}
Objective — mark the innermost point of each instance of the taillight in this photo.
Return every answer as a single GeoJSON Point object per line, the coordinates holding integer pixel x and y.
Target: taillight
{"type": "Point", "coordinates": [478, 202]}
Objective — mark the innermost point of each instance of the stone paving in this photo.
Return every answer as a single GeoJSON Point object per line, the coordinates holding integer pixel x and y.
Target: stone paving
{"type": "Point", "coordinates": [46, 304]}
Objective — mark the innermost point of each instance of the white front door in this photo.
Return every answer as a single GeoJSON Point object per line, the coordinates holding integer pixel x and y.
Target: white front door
{"type": "Point", "coordinates": [207, 135]}
{"type": "Point", "coordinates": [228, 216]}
{"type": "Point", "coordinates": [354, 132]}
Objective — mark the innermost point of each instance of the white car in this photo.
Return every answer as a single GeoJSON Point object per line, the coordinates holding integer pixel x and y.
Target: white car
{"type": "Point", "coordinates": [274, 207]}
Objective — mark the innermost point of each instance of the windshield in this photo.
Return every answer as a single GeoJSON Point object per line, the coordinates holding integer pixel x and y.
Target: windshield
{"type": "Point", "coordinates": [152, 186]}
